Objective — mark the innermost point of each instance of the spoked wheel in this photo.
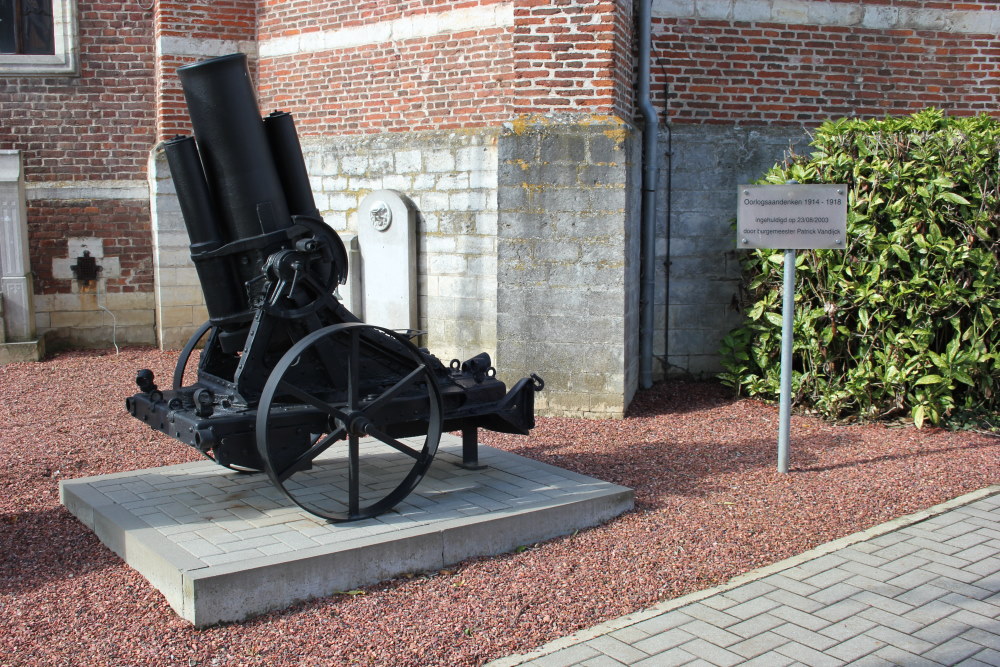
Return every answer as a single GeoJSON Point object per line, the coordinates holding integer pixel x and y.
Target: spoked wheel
{"type": "Point", "coordinates": [349, 421]}
{"type": "Point", "coordinates": [182, 361]}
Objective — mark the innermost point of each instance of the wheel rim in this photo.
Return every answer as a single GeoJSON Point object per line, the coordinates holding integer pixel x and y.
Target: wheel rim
{"type": "Point", "coordinates": [182, 361]}
{"type": "Point", "coordinates": [344, 463]}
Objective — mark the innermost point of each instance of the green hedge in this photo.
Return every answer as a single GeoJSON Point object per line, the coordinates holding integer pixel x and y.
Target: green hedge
{"type": "Point", "coordinates": [905, 321]}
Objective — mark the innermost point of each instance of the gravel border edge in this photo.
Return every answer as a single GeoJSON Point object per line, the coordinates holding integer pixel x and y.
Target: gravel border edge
{"type": "Point", "coordinates": [745, 578]}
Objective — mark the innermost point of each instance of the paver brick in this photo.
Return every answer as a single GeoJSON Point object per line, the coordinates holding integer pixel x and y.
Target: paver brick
{"type": "Point", "coordinates": [807, 655]}
{"type": "Point", "coordinates": [715, 655]}
{"type": "Point", "coordinates": [781, 582]}
{"type": "Point", "coordinates": [715, 617]}
{"type": "Point", "coordinates": [836, 592]}
{"type": "Point", "coordinates": [663, 622]}
{"type": "Point", "coordinates": [751, 608]}
{"type": "Point", "coordinates": [671, 658]}
{"type": "Point", "coordinates": [901, 623]}
{"type": "Point", "coordinates": [900, 640]}
{"type": "Point", "coordinates": [879, 601]}
{"type": "Point", "coordinates": [811, 638]}
{"type": "Point", "coordinates": [602, 661]}
{"type": "Point", "coordinates": [629, 635]}
{"type": "Point", "coordinates": [849, 627]}
{"type": "Point", "coordinates": [953, 651]}
{"type": "Point", "coordinates": [756, 624]}
{"type": "Point", "coordinates": [800, 618]}
{"type": "Point", "coordinates": [855, 648]}
{"type": "Point", "coordinates": [897, 656]}
{"type": "Point", "coordinates": [789, 599]}
{"type": "Point", "coordinates": [983, 637]}
{"type": "Point", "coordinates": [758, 644]}
{"type": "Point", "coordinates": [617, 650]}
{"type": "Point", "coordinates": [663, 641]}
{"type": "Point", "coordinates": [567, 657]}
{"type": "Point", "coordinates": [748, 591]}
{"type": "Point", "coordinates": [710, 633]}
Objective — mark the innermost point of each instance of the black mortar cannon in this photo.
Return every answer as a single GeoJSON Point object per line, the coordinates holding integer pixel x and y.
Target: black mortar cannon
{"type": "Point", "coordinates": [344, 417]}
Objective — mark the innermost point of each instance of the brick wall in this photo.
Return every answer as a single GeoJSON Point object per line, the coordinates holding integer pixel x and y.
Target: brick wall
{"type": "Point", "coordinates": [445, 66]}
{"type": "Point", "coordinates": [761, 61]}
{"type": "Point", "coordinates": [572, 56]}
{"type": "Point", "coordinates": [84, 141]}
{"type": "Point", "coordinates": [190, 31]}
{"type": "Point", "coordinates": [95, 126]}
{"type": "Point", "coordinates": [749, 78]}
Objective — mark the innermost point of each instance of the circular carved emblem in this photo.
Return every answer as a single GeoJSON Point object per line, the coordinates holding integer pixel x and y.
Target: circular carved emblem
{"type": "Point", "coordinates": [381, 216]}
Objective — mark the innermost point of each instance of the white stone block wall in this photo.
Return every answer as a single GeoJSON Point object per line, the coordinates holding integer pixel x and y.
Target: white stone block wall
{"type": "Point", "coordinates": [178, 298]}
{"type": "Point", "coordinates": [451, 177]}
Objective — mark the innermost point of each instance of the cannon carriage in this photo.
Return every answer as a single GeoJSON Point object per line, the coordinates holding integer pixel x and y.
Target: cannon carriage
{"type": "Point", "coordinates": [343, 417]}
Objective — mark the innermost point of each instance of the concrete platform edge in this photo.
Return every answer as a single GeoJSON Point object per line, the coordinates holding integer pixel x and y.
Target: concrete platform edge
{"type": "Point", "coordinates": [210, 594]}
{"type": "Point", "coordinates": [739, 580]}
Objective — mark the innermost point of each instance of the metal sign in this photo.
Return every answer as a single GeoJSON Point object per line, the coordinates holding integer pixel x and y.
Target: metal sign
{"type": "Point", "coordinates": [792, 217]}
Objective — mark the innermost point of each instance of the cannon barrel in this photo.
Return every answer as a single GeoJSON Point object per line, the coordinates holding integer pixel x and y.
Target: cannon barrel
{"type": "Point", "coordinates": [224, 297]}
{"type": "Point", "coordinates": [239, 167]}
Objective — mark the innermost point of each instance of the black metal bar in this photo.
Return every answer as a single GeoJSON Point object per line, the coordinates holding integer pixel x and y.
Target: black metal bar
{"type": "Point", "coordinates": [470, 448]}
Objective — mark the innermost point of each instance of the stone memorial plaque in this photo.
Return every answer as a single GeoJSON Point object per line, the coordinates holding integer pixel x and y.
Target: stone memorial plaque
{"type": "Point", "coordinates": [388, 240]}
{"type": "Point", "coordinates": [792, 217]}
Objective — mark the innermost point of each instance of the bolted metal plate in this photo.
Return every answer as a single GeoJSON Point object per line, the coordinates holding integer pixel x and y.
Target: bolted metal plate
{"type": "Point", "coordinates": [792, 217]}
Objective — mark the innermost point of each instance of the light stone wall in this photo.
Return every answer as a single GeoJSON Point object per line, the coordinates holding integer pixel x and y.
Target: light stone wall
{"type": "Point", "coordinates": [80, 319]}
{"type": "Point", "coordinates": [708, 164]}
{"type": "Point", "coordinates": [177, 298]}
{"type": "Point", "coordinates": [568, 262]}
{"type": "Point", "coordinates": [452, 179]}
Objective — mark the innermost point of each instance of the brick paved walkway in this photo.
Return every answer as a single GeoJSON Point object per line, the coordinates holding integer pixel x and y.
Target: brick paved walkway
{"type": "Point", "coordinates": [921, 590]}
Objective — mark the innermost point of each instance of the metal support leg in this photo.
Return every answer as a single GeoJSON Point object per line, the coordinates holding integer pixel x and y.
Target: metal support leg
{"type": "Point", "coordinates": [470, 449]}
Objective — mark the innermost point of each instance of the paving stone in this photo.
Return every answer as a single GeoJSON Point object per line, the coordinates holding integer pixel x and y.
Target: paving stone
{"type": "Point", "coordinates": [629, 635]}
{"type": "Point", "coordinates": [710, 615]}
{"type": "Point", "coordinates": [663, 641]}
{"type": "Point", "coordinates": [715, 655]}
{"type": "Point", "coordinates": [900, 640]}
{"type": "Point", "coordinates": [836, 592]}
{"type": "Point", "coordinates": [567, 657]}
{"type": "Point", "coordinates": [758, 644]}
{"type": "Point", "coordinates": [800, 618]}
{"type": "Point", "coordinates": [781, 582]}
{"type": "Point", "coordinates": [952, 651]}
{"type": "Point", "coordinates": [756, 624]}
{"type": "Point", "coordinates": [710, 633]}
{"type": "Point", "coordinates": [663, 622]}
{"type": "Point", "coordinates": [797, 633]}
{"type": "Point", "coordinates": [602, 661]}
{"type": "Point", "coordinates": [789, 599]}
{"type": "Point", "coordinates": [751, 608]}
{"type": "Point", "coordinates": [807, 655]}
{"type": "Point", "coordinates": [855, 648]}
{"type": "Point", "coordinates": [671, 658]}
{"type": "Point", "coordinates": [839, 611]}
{"type": "Point", "coordinates": [617, 650]}
{"type": "Point", "coordinates": [941, 631]}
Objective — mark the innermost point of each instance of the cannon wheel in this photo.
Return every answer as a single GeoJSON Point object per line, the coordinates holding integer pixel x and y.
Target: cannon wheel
{"type": "Point", "coordinates": [347, 420]}
{"type": "Point", "coordinates": [182, 361]}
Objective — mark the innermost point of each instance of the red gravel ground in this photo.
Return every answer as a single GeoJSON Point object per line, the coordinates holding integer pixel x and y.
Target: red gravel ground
{"type": "Point", "coordinates": [709, 505]}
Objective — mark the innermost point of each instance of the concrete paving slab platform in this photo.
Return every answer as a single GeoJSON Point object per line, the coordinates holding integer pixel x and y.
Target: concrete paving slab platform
{"type": "Point", "coordinates": [224, 546]}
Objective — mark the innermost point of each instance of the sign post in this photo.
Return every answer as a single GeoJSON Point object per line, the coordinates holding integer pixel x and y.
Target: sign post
{"type": "Point", "coordinates": [792, 217]}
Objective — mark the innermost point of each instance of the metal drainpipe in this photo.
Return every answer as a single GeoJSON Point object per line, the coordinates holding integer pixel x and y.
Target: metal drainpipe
{"type": "Point", "coordinates": [647, 215]}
